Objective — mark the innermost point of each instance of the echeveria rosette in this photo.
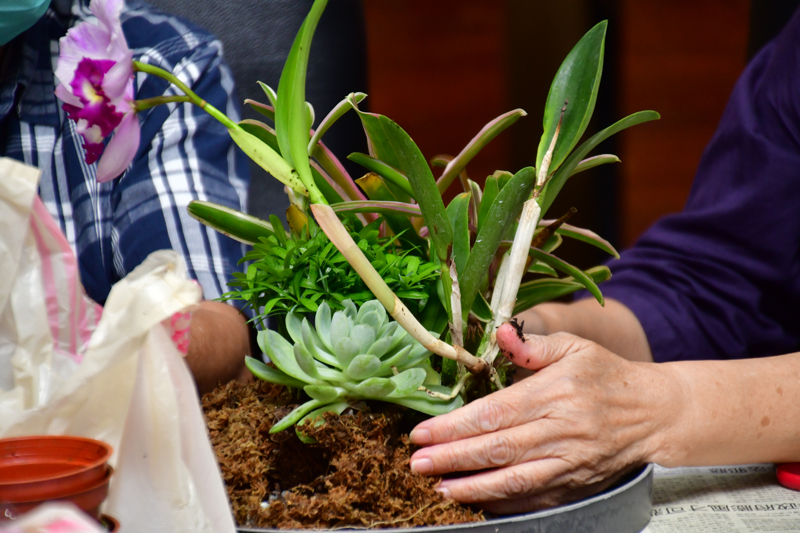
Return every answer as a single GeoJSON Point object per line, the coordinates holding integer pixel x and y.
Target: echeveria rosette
{"type": "Point", "coordinates": [350, 356]}
{"type": "Point", "coordinates": [95, 71]}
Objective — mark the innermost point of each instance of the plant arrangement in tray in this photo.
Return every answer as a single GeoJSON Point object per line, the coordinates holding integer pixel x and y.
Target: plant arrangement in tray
{"type": "Point", "coordinates": [379, 290]}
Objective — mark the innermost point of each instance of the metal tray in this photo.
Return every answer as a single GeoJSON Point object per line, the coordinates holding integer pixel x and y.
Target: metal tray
{"type": "Point", "coordinates": [622, 509]}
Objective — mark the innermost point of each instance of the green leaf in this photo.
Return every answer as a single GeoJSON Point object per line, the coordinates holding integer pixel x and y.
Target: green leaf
{"type": "Point", "coordinates": [267, 111]}
{"type": "Point", "coordinates": [420, 401]}
{"type": "Point", "coordinates": [587, 236]}
{"type": "Point", "coordinates": [399, 223]}
{"type": "Point", "coordinates": [362, 367]}
{"type": "Point", "coordinates": [267, 158]}
{"type": "Point", "coordinates": [540, 268]}
{"type": "Point", "coordinates": [533, 293]}
{"type": "Point", "coordinates": [335, 114]}
{"type": "Point", "coordinates": [235, 224]}
{"type": "Point", "coordinates": [482, 309]}
{"type": "Point", "coordinates": [490, 191]}
{"type": "Point", "coordinates": [576, 82]}
{"type": "Point", "coordinates": [291, 116]}
{"type": "Point", "coordinates": [415, 167]}
{"type": "Point", "coordinates": [458, 213]}
{"type": "Point", "coordinates": [375, 206]}
{"type": "Point", "coordinates": [324, 393]}
{"type": "Point", "coordinates": [273, 375]}
{"type": "Point", "coordinates": [315, 417]}
{"type": "Point", "coordinates": [385, 171]}
{"type": "Point", "coordinates": [281, 353]}
{"type": "Point", "coordinates": [596, 161]}
{"type": "Point", "coordinates": [558, 180]}
{"type": "Point", "coordinates": [372, 388]}
{"type": "Point", "coordinates": [565, 267]}
{"type": "Point", "coordinates": [504, 211]}
{"type": "Point", "coordinates": [407, 382]}
{"type": "Point", "coordinates": [292, 418]}
{"type": "Point", "coordinates": [487, 133]}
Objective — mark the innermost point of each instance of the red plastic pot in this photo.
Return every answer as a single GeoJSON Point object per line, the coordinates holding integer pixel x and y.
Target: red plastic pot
{"type": "Point", "coordinates": [44, 468]}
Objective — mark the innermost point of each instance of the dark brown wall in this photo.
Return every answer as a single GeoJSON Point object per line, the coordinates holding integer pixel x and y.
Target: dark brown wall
{"type": "Point", "coordinates": [443, 68]}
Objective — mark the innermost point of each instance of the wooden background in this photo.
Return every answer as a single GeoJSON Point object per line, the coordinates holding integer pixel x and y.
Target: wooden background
{"type": "Point", "coordinates": [443, 68]}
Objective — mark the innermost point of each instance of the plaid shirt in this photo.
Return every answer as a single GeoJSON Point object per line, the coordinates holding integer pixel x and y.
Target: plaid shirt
{"type": "Point", "coordinates": [184, 153]}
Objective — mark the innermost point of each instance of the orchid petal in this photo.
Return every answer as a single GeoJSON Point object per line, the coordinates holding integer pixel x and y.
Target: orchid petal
{"type": "Point", "coordinates": [85, 40]}
{"type": "Point", "coordinates": [64, 94]}
{"type": "Point", "coordinates": [120, 150]}
{"type": "Point", "coordinates": [118, 77]}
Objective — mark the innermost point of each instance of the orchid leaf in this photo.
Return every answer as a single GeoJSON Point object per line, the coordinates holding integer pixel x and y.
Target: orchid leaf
{"type": "Point", "coordinates": [370, 206]}
{"type": "Point", "coordinates": [337, 172]}
{"type": "Point", "coordinates": [533, 293]}
{"type": "Point", "coordinates": [558, 180]}
{"type": "Point", "coordinates": [586, 236]}
{"type": "Point", "coordinates": [596, 161]}
{"type": "Point", "coordinates": [297, 220]}
{"type": "Point", "coordinates": [264, 133]}
{"type": "Point", "coordinates": [326, 185]}
{"type": "Point", "coordinates": [576, 84]}
{"type": "Point", "coordinates": [267, 158]}
{"type": "Point", "coordinates": [538, 267]}
{"type": "Point", "coordinates": [458, 213]}
{"type": "Point", "coordinates": [490, 190]}
{"type": "Point", "coordinates": [503, 212]}
{"type": "Point", "coordinates": [273, 375]}
{"type": "Point", "coordinates": [235, 224]}
{"type": "Point", "coordinates": [413, 164]}
{"type": "Point", "coordinates": [474, 146]}
{"type": "Point", "coordinates": [482, 309]}
{"type": "Point", "coordinates": [379, 146]}
{"type": "Point", "coordinates": [580, 276]}
{"type": "Point", "coordinates": [291, 115]}
{"type": "Point", "coordinates": [399, 223]}
{"type": "Point", "coordinates": [264, 109]}
{"type": "Point", "coordinates": [335, 114]}
{"type": "Point", "coordinates": [383, 170]}
{"type": "Point", "coordinates": [271, 96]}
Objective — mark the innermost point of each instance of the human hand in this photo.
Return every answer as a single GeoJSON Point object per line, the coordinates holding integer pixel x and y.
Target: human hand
{"type": "Point", "coordinates": [572, 429]}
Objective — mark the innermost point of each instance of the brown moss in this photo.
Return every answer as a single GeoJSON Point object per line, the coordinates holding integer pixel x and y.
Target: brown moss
{"type": "Point", "coordinates": [357, 474]}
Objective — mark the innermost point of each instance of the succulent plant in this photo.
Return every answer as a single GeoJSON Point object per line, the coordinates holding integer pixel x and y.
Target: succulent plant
{"type": "Point", "coordinates": [351, 355]}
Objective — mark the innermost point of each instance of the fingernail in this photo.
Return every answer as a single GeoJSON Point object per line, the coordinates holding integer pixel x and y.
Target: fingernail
{"type": "Point", "coordinates": [421, 436]}
{"type": "Point", "coordinates": [422, 466]}
{"type": "Point", "coordinates": [444, 491]}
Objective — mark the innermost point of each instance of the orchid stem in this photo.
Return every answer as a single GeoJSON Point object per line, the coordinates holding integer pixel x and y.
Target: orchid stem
{"type": "Point", "coordinates": [138, 66]}
{"type": "Point", "coordinates": [147, 103]}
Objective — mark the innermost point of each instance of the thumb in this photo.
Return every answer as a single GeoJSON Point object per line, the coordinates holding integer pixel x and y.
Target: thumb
{"type": "Point", "coordinates": [535, 351]}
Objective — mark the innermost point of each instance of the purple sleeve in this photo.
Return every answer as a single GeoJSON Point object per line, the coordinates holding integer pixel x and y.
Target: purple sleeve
{"type": "Point", "coordinates": [721, 280]}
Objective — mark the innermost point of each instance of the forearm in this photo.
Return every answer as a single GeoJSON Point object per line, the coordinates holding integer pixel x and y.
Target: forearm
{"type": "Point", "coordinates": [614, 326]}
{"type": "Point", "coordinates": [736, 412]}
{"type": "Point", "coordinates": [219, 340]}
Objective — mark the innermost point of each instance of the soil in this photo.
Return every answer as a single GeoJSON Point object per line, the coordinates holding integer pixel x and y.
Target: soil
{"type": "Point", "coordinates": [355, 476]}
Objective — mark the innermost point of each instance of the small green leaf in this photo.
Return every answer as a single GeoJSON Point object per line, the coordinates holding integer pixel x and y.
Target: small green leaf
{"type": "Point", "coordinates": [373, 388]}
{"type": "Point", "coordinates": [490, 191]}
{"type": "Point", "coordinates": [281, 353]}
{"type": "Point", "coordinates": [324, 393]}
{"type": "Point", "coordinates": [482, 309]}
{"type": "Point", "coordinates": [385, 171]}
{"type": "Point", "coordinates": [420, 401]}
{"type": "Point", "coordinates": [294, 416]}
{"type": "Point", "coordinates": [235, 224]}
{"type": "Point", "coordinates": [565, 267]}
{"type": "Point", "coordinates": [407, 382]}
{"type": "Point", "coordinates": [532, 293]}
{"type": "Point", "coordinates": [596, 161]}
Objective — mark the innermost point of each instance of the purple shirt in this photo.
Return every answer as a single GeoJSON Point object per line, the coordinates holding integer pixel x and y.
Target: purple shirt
{"type": "Point", "coordinates": [721, 280]}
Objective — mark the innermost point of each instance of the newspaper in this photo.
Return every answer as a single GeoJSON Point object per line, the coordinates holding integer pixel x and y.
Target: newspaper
{"type": "Point", "coordinates": [726, 499]}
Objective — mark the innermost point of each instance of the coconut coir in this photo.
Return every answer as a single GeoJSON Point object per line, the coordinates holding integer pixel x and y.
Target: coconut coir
{"type": "Point", "coordinates": [355, 476]}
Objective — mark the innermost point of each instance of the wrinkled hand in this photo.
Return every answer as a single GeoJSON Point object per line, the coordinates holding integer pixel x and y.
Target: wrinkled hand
{"type": "Point", "coordinates": [572, 429]}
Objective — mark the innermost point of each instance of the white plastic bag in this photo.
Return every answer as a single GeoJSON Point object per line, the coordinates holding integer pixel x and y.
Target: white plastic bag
{"type": "Point", "coordinates": [128, 385]}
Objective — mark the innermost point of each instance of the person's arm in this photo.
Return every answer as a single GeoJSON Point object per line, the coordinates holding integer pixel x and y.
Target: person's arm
{"type": "Point", "coordinates": [612, 326]}
{"type": "Point", "coordinates": [588, 416]}
{"type": "Point", "coordinates": [218, 341]}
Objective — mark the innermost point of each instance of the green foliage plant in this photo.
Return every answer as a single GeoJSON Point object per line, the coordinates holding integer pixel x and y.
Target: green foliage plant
{"type": "Point", "coordinates": [448, 273]}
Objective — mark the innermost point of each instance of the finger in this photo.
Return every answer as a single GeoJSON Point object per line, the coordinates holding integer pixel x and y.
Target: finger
{"type": "Point", "coordinates": [502, 448]}
{"type": "Point", "coordinates": [536, 351]}
{"type": "Point", "coordinates": [502, 409]}
{"type": "Point", "coordinates": [509, 483]}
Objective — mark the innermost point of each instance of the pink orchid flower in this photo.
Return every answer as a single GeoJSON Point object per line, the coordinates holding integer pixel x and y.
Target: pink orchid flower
{"type": "Point", "coordinates": [95, 71]}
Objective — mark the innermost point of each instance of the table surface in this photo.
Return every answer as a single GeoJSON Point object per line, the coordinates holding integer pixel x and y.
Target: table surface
{"type": "Point", "coordinates": [741, 498]}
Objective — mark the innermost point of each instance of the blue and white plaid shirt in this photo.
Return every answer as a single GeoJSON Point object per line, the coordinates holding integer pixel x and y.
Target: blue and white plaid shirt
{"type": "Point", "coordinates": [184, 153]}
